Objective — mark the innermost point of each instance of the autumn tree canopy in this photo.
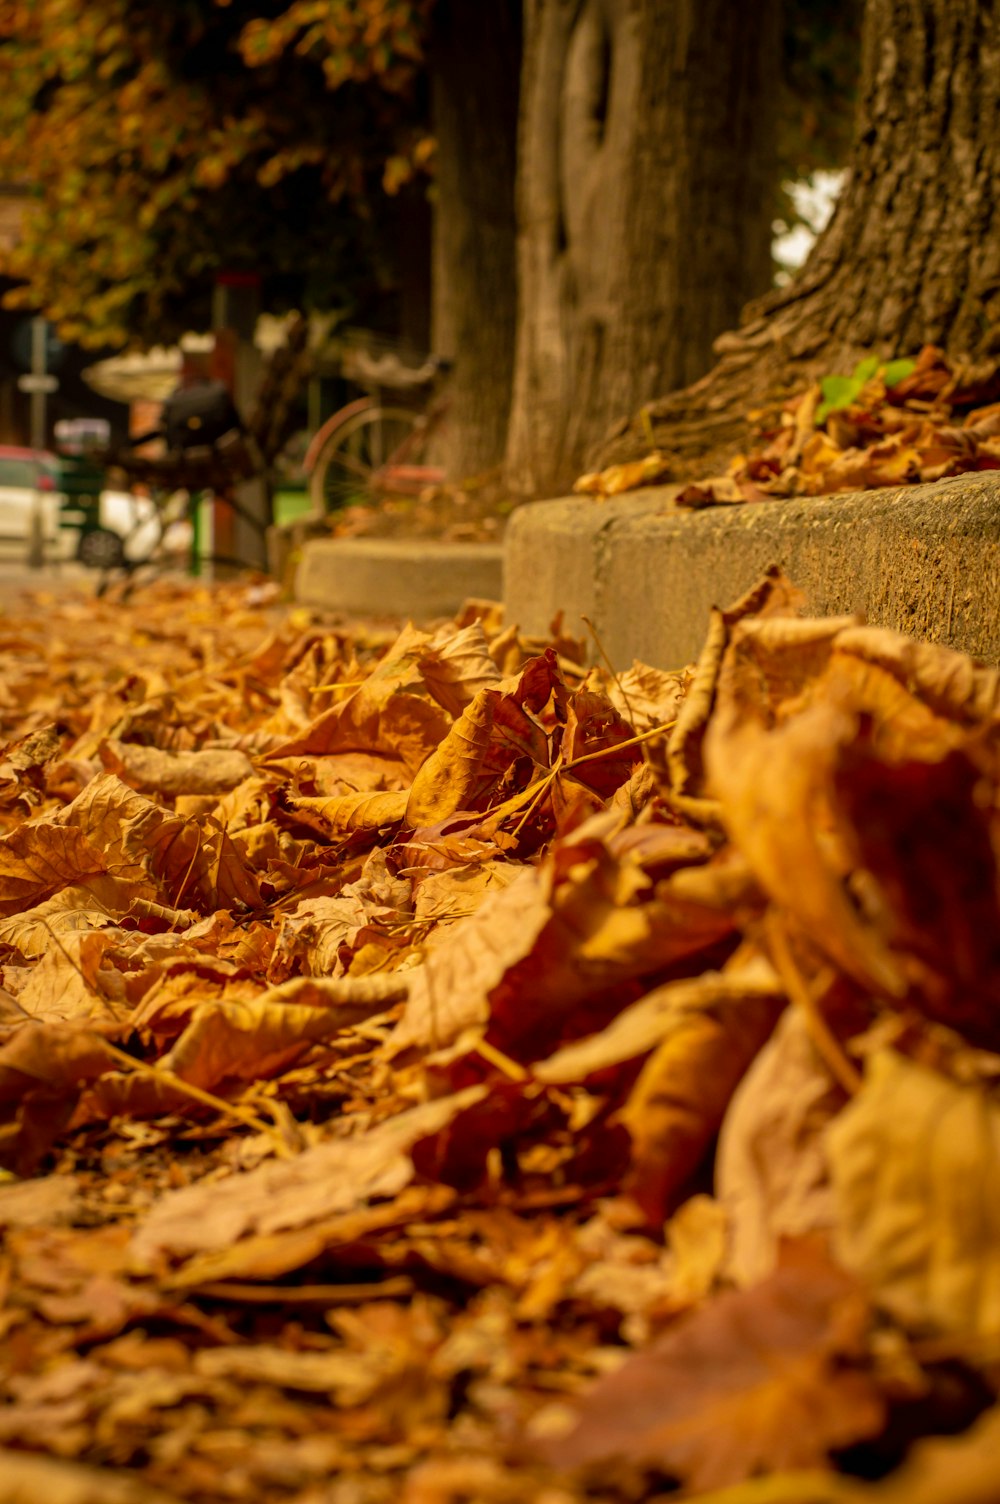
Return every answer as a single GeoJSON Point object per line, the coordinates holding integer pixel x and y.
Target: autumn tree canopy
{"type": "Point", "coordinates": [163, 143]}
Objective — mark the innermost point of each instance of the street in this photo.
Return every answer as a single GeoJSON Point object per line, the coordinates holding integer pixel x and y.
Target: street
{"type": "Point", "coordinates": [17, 578]}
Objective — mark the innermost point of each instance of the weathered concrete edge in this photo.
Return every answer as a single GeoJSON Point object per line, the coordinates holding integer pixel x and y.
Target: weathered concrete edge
{"type": "Point", "coordinates": [395, 577]}
{"type": "Point", "coordinates": [922, 559]}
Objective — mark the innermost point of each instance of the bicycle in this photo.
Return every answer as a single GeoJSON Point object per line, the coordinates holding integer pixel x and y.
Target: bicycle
{"type": "Point", "coordinates": [369, 451]}
{"type": "Point", "coordinates": [208, 452]}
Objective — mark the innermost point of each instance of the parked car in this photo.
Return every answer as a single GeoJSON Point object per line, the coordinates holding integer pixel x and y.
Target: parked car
{"type": "Point", "coordinates": [50, 504]}
{"type": "Point", "coordinates": [29, 501]}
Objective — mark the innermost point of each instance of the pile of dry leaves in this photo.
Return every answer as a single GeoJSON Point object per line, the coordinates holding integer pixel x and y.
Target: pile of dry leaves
{"type": "Point", "coordinates": [433, 1072]}
{"type": "Point", "coordinates": [889, 424]}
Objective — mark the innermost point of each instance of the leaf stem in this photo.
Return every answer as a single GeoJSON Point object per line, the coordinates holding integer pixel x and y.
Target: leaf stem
{"type": "Point", "coordinates": [843, 1070]}
{"type": "Point", "coordinates": [633, 741]}
{"type": "Point", "coordinates": [198, 1094]}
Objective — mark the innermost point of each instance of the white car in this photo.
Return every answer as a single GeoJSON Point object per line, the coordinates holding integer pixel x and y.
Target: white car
{"type": "Point", "coordinates": [40, 520]}
{"type": "Point", "coordinates": [29, 501]}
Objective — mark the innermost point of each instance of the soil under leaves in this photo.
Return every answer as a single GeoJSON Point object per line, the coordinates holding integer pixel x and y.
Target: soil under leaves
{"type": "Point", "coordinates": [433, 1071]}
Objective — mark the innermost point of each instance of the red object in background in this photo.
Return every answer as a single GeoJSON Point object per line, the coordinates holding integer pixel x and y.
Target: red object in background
{"type": "Point", "coordinates": [238, 279]}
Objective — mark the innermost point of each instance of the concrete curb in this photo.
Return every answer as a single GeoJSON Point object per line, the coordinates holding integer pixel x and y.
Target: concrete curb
{"type": "Point", "coordinates": [923, 559]}
{"type": "Point", "coordinates": [416, 578]}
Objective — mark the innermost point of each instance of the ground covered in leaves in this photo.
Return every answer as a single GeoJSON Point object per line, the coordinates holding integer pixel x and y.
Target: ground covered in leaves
{"type": "Point", "coordinates": [433, 1072]}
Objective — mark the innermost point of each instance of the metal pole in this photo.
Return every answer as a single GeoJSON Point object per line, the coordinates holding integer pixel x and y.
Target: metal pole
{"type": "Point", "coordinates": [36, 526]}
{"type": "Point", "coordinates": [39, 329]}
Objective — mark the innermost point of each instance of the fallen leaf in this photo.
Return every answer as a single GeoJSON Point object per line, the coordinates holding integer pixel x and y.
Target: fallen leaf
{"type": "Point", "coordinates": [25, 1480]}
{"type": "Point", "coordinates": [909, 1160]}
{"type": "Point", "coordinates": [760, 1379]}
{"type": "Point", "coordinates": [652, 469]}
{"type": "Point", "coordinates": [577, 927]}
{"type": "Point", "coordinates": [44, 1202]}
{"type": "Point", "coordinates": [382, 715]}
{"type": "Point", "coordinates": [492, 748]}
{"type": "Point", "coordinates": [771, 1170]}
{"type": "Point", "coordinates": [456, 665]}
{"type": "Point", "coordinates": [677, 1105]}
{"type": "Point", "coordinates": [330, 1178]}
{"type": "Point", "coordinates": [348, 814]}
{"type": "Point", "coordinates": [598, 743]}
{"type": "Point", "coordinates": [152, 770]}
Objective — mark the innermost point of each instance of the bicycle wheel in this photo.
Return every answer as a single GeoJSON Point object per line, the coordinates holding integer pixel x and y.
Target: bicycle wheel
{"type": "Point", "coordinates": [354, 464]}
{"type": "Point", "coordinates": [100, 548]}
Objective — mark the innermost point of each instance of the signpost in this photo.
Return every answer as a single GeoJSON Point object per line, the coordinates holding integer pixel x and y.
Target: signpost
{"type": "Point", "coordinates": [46, 384]}
{"type": "Point", "coordinates": [39, 384]}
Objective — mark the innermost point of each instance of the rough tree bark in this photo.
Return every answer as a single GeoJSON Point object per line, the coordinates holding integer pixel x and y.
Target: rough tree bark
{"type": "Point", "coordinates": [912, 254]}
{"type": "Point", "coordinates": [645, 179]}
{"type": "Point", "coordinates": [474, 64]}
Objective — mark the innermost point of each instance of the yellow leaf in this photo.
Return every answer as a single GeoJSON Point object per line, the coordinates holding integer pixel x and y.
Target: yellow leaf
{"type": "Point", "coordinates": [456, 665]}
{"type": "Point", "coordinates": [152, 770]}
{"type": "Point", "coordinates": [469, 769]}
{"type": "Point", "coordinates": [677, 1104]}
{"type": "Point", "coordinates": [915, 1160]}
{"type": "Point", "coordinates": [771, 1172]}
{"type": "Point", "coordinates": [330, 1178]}
{"type": "Point", "coordinates": [350, 814]}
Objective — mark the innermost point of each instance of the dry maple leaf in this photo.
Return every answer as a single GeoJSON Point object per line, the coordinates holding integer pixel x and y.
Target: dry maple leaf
{"type": "Point", "coordinates": [333, 1177]}
{"type": "Point", "coordinates": [494, 746]}
{"type": "Point", "coordinates": [922, 835]}
{"type": "Point", "coordinates": [845, 772]}
{"type": "Point", "coordinates": [601, 740]}
{"type": "Point", "coordinates": [383, 715]}
{"type": "Point", "coordinates": [456, 665]}
{"type": "Point", "coordinates": [771, 1171]}
{"type": "Point", "coordinates": [642, 1027]}
{"type": "Point", "coordinates": [914, 1159]}
{"type": "Point", "coordinates": [581, 925]}
{"type": "Point", "coordinates": [348, 815]}
{"type": "Point", "coordinates": [152, 770]}
{"type": "Point", "coordinates": [677, 1105]}
{"type": "Point", "coordinates": [759, 1379]}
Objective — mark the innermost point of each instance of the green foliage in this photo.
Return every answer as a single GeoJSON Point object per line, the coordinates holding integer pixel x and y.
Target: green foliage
{"type": "Point", "coordinates": [163, 143]}
{"type": "Point", "coordinates": [895, 370]}
{"type": "Point", "coordinates": [840, 391]}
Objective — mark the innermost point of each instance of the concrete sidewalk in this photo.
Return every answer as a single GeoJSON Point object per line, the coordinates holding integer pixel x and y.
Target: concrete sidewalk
{"type": "Point", "coordinates": [416, 578]}
{"type": "Point", "coordinates": [923, 559]}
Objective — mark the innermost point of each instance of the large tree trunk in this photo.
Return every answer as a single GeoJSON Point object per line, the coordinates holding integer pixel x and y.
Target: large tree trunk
{"type": "Point", "coordinates": [646, 175]}
{"type": "Point", "coordinates": [912, 255]}
{"type": "Point", "coordinates": [474, 62]}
